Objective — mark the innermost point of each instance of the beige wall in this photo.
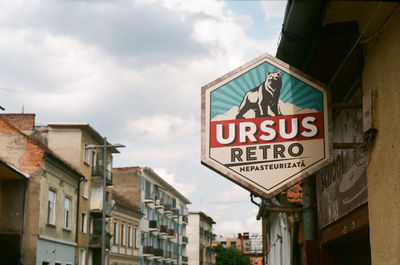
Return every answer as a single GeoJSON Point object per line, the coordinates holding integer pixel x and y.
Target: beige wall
{"type": "Point", "coordinates": [382, 74]}
{"type": "Point", "coordinates": [127, 182]}
{"type": "Point", "coordinates": [193, 234]}
{"type": "Point", "coordinates": [64, 186]}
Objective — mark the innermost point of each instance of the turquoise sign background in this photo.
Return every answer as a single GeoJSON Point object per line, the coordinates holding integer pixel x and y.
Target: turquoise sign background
{"type": "Point", "coordinates": [293, 91]}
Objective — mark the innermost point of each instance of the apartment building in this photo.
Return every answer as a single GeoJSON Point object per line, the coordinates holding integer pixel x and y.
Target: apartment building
{"type": "Point", "coordinates": [70, 141]}
{"type": "Point", "coordinates": [39, 214]}
{"type": "Point", "coordinates": [125, 232]}
{"type": "Point", "coordinates": [201, 236]}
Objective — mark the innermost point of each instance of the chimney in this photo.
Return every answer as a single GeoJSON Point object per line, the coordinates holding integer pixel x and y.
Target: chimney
{"type": "Point", "coordinates": [23, 122]}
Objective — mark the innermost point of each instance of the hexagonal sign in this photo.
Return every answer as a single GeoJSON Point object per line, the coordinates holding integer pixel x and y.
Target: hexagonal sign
{"type": "Point", "coordinates": [265, 126]}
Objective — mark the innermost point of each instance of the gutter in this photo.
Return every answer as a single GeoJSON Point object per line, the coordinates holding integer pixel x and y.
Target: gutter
{"type": "Point", "coordinates": [300, 26]}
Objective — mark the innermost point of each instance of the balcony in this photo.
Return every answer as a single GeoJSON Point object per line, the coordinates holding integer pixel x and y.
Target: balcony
{"type": "Point", "coordinates": [168, 209]}
{"type": "Point", "coordinates": [185, 259]}
{"type": "Point", "coordinates": [209, 234]}
{"type": "Point", "coordinates": [96, 207]}
{"type": "Point", "coordinates": [148, 251]}
{"type": "Point", "coordinates": [95, 241]}
{"type": "Point", "coordinates": [97, 171]}
{"type": "Point", "coordinates": [163, 230]}
{"type": "Point", "coordinates": [148, 198]}
{"type": "Point", "coordinates": [159, 204]}
{"type": "Point", "coordinates": [168, 255]}
{"type": "Point", "coordinates": [209, 249]}
{"type": "Point", "coordinates": [185, 219]}
{"type": "Point", "coordinates": [185, 240]}
{"type": "Point", "coordinates": [153, 226]}
{"type": "Point", "coordinates": [171, 233]}
{"type": "Point", "coordinates": [175, 213]}
{"type": "Point", "coordinates": [159, 253]}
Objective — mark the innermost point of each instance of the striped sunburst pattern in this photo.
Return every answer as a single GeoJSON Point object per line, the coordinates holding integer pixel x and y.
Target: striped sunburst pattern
{"type": "Point", "coordinates": [293, 91]}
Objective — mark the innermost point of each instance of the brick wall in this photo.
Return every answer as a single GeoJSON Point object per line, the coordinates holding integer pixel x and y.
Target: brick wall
{"type": "Point", "coordinates": [127, 182]}
{"type": "Point", "coordinates": [23, 122]}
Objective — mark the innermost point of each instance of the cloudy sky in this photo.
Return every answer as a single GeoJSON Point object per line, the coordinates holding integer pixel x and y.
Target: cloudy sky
{"type": "Point", "coordinates": [133, 70]}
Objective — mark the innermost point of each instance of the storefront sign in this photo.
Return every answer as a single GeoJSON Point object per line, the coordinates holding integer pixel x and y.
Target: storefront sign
{"type": "Point", "coordinates": [265, 126]}
{"type": "Point", "coordinates": [342, 185]}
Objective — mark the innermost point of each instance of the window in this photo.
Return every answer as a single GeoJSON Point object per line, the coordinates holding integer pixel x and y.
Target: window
{"type": "Point", "coordinates": [51, 211]}
{"type": "Point", "coordinates": [86, 155]}
{"type": "Point", "coordinates": [122, 235]}
{"type": "Point", "coordinates": [129, 236]}
{"type": "Point", "coordinates": [82, 256]}
{"type": "Point", "coordinates": [115, 239]}
{"type": "Point", "coordinates": [85, 189]}
{"type": "Point", "coordinates": [67, 213]}
{"type": "Point", "coordinates": [83, 223]}
{"type": "Point", "coordinates": [94, 159]}
{"type": "Point", "coordinates": [136, 238]}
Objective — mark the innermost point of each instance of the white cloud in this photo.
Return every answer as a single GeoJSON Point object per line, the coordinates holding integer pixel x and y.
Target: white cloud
{"type": "Point", "coordinates": [169, 176]}
{"type": "Point", "coordinates": [163, 127]}
{"type": "Point", "coordinates": [229, 227]}
{"type": "Point", "coordinates": [274, 9]}
{"type": "Point", "coordinates": [133, 70]}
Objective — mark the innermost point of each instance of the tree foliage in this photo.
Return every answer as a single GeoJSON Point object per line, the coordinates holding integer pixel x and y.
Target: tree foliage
{"type": "Point", "coordinates": [230, 256]}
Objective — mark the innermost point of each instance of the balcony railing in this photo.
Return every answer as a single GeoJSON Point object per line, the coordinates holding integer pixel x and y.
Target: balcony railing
{"type": "Point", "coordinates": [167, 208]}
{"type": "Point", "coordinates": [185, 219]}
{"type": "Point", "coordinates": [97, 171]}
{"type": "Point", "coordinates": [153, 225]}
{"type": "Point", "coordinates": [148, 250]}
{"type": "Point", "coordinates": [185, 239]}
{"type": "Point", "coordinates": [163, 229]}
{"type": "Point", "coordinates": [185, 259]}
{"type": "Point", "coordinates": [209, 233]}
{"type": "Point", "coordinates": [175, 212]}
{"type": "Point", "coordinates": [95, 241]}
{"type": "Point", "coordinates": [171, 232]}
{"type": "Point", "coordinates": [168, 255]}
{"type": "Point", "coordinates": [158, 252]}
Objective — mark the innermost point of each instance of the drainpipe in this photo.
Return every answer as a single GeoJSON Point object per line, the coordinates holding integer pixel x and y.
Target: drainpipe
{"type": "Point", "coordinates": [298, 30]}
{"type": "Point", "coordinates": [23, 222]}
{"type": "Point", "coordinates": [77, 219]}
{"type": "Point", "coordinates": [309, 212]}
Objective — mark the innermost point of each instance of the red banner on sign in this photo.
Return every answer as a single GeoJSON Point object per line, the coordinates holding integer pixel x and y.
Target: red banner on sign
{"type": "Point", "coordinates": [263, 130]}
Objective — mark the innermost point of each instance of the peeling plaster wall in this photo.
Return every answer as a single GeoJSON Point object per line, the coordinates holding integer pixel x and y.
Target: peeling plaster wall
{"type": "Point", "coordinates": [382, 74]}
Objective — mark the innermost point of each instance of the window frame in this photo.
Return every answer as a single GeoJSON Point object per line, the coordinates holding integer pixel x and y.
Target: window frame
{"type": "Point", "coordinates": [115, 231]}
{"type": "Point", "coordinates": [83, 227]}
{"type": "Point", "coordinates": [129, 236]}
{"type": "Point", "coordinates": [85, 189]}
{"type": "Point", "coordinates": [67, 213]}
{"type": "Point", "coordinates": [51, 207]}
{"type": "Point", "coordinates": [122, 233]}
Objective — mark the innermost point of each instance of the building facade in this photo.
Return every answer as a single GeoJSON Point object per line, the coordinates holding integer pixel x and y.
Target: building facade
{"type": "Point", "coordinates": [50, 201]}
{"type": "Point", "coordinates": [163, 237]}
{"type": "Point", "coordinates": [163, 228]}
{"type": "Point", "coordinates": [125, 232]}
{"type": "Point", "coordinates": [201, 236]}
{"type": "Point", "coordinates": [70, 141]}
{"type": "Point", "coordinates": [350, 214]}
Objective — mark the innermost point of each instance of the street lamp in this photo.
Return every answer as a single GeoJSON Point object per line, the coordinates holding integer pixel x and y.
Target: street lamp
{"type": "Point", "coordinates": [103, 219]}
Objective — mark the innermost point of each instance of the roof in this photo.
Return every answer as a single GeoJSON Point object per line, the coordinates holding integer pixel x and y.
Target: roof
{"type": "Point", "coordinates": [168, 186]}
{"type": "Point", "coordinates": [85, 127]}
{"type": "Point", "coordinates": [47, 151]}
{"type": "Point", "coordinates": [11, 172]}
{"type": "Point", "coordinates": [204, 216]}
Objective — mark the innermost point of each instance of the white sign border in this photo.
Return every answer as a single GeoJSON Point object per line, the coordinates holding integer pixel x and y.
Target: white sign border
{"type": "Point", "coordinates": [205, 123]}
